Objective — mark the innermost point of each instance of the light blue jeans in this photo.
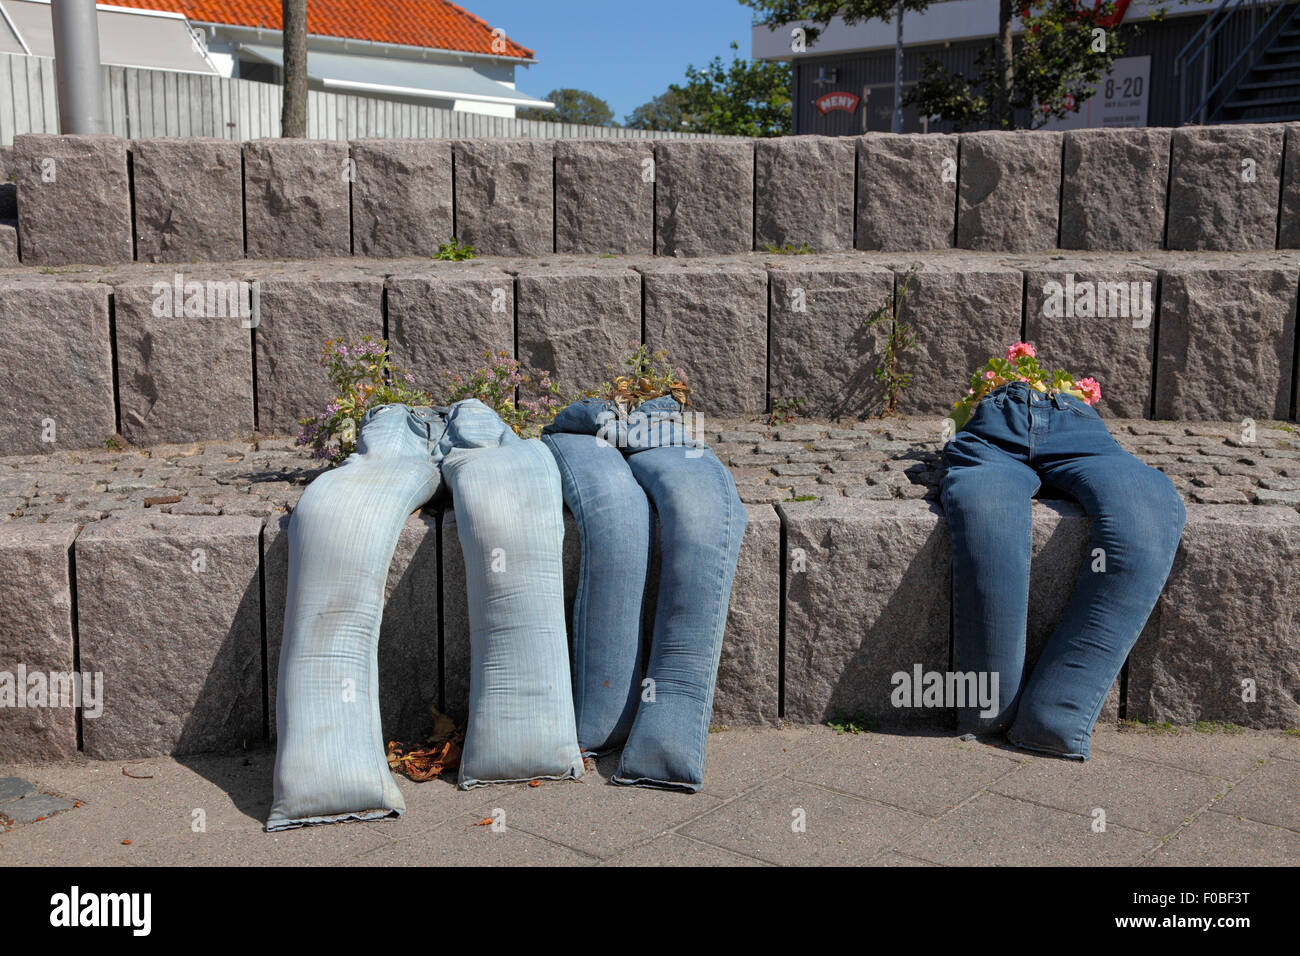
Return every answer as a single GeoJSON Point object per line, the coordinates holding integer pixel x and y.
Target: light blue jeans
{"type": "Point", "coordinates": [1016, 439]}
{"type": "Point", "coordinates": [612, 475]}
{"type": "Point", "coordinates": [331, 761]}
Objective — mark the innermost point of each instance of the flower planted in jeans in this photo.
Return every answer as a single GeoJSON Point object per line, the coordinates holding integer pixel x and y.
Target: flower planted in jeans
{"type": "Point", "coordinates": [330, 761]}
{"type": "Point", "coordinates": [1020, 435]}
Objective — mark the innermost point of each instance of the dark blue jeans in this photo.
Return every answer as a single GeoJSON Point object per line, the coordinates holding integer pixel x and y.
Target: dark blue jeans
{"type": "Point", "coordinates": [612, 475]}
{"type": "Point", "coordinates": [1016, 440]}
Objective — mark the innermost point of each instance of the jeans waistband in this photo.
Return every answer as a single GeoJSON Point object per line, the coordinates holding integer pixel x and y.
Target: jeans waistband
{"type": "Point", "coordinates": [429, 421]}
{"type": "Point", "coordinates": [1022, 391]}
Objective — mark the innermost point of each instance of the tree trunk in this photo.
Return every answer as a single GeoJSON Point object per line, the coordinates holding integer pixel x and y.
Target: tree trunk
{"type": "Point", "coordinates": [1004, 115]}
{"type": "Point", "coordinates": [896, 124]}
{"type": "Point", "coordinates": [293, 114]}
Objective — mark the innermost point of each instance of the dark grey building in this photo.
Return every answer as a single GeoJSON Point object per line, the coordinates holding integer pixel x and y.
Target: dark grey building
{"type": "Point", "coordinates": [1199, 62]}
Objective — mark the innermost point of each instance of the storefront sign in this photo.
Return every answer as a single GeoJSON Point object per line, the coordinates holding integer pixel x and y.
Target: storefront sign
{"type": "Point", "coordinates": [1121, 98]}
{"type": "Point", "coordinates": [848, 102]}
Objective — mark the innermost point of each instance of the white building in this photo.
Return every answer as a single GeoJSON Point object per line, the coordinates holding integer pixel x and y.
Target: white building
{"type": "Point", "coordinates": [427, 52]}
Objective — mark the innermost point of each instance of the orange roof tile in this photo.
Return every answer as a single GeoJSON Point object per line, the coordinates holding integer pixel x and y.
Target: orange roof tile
{"type": "Point", "coordinates": [437, 24]}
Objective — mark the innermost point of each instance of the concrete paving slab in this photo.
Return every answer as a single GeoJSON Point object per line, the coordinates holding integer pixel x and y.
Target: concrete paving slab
{"type": "Point", "coordinates": [993, 830]}
{"type": "Point", "coordinates": [742, 758]}
{"type": "Point", "coordinates": [595, 817]}
{"type": "Point", "coordinates": [1203, 842]}
{"type": "Point", "coordinates": [894, 858]}
{"type": "Point", "coordinates": [33, 808]}
{"type": "Point", "coordinates": [928, 774]}
{"type": "Point", "coordinates": [1131, 793]}
{"type": "Point", "coordinates": [458, 842]}
{"type": "Point", "coordinates": [1288, 748]}
{"type": "Point", "coordinates": [794, 823]}
{"type": "Point", "coordinates": [1217, 754]}
{"type": "Point", "coordinates": [674, 849]}
{"type": "Point", "coordinates": [876, 799]}
{"type": "Point", "coordinates": [12, 788]}
{"type": "Point", "coordinates": [1271, 794]}
{"type": "Point", "coordinates": [250, 846]}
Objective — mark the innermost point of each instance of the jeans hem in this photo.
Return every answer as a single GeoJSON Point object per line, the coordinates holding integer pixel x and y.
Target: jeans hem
{"type": "Point", "coordinates": [358, 816]}
{"type": "Point", "coordinates": [573, 773]}
{"type": "Point", "coordinates": [1055, 752]}
{"type": "Point", "coordinates": [656, 784]}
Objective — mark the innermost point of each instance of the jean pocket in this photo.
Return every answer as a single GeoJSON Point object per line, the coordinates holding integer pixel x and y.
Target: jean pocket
{"type": "Point", "coordinates": [986, 406]}
{"type": "Point", "coordinates": [1081, 408]}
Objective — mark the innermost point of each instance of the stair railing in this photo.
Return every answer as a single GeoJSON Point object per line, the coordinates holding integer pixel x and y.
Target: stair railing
{"type": "Point", "coordinates": [1194, 62]}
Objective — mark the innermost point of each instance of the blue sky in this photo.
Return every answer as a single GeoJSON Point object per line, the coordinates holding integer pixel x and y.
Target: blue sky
{"type": "Point", "coordinates": [624, 51]}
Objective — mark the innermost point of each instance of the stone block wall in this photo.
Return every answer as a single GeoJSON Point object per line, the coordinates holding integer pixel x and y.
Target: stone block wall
{"type": "Point", "coordinates": [223, 351]}
{"type": "Point", "coordinates": [1228, 188]}
{"type": "Point", "coordinates": [181, 616]}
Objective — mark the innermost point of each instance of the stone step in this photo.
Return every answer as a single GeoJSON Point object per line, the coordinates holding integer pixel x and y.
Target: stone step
{"type": "Point", "coordinates": [173, 356]}
{"type": "Point", "coordinates": [189, 200]}
{"type": "Point", "coordinates": [181, 612]}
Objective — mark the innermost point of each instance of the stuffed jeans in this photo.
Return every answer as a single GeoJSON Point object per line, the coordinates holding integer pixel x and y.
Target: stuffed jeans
{"type": "Point", "coordinates": [613, 471]}
{"type": "Point", "coordinates": [331, 762]}
{"type": "Point", "coordinates": [1016, 439]}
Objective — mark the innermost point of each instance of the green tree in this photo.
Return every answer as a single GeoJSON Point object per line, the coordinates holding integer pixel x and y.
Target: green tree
{"type": "Point", "coordinates": [1048, 72]}
{"type": "Point", "coordinates": [740, 98]}
{"type": "Point", "coordinates": [572, 106]}
{"type": "Point", "coordinates": [1052, 70]}
{"type": "Point", "coordinates": [662, 114]}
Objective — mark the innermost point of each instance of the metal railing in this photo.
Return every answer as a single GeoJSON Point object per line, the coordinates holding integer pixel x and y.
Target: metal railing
{"type": "Point", "coordinates": [1233, 30]}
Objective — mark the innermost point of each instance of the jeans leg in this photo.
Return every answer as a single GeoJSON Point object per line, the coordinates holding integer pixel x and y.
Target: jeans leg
{"type": "Point", "coordinates": [1137, 521]}
{"type": "Point", "coordinates": [702, 522]}
{"type": "Point", "coordinates": [509, 515]}
{"type": "Point", "coordinates": [330, 760]}
{"type": "Point", "coordinates": [613, 517]}
{"type": "Point", "coordinates": [986, 495]}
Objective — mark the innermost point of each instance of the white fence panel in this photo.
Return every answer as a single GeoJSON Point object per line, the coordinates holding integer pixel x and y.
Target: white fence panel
{"type": "Point", "coordinates": [141, 103]}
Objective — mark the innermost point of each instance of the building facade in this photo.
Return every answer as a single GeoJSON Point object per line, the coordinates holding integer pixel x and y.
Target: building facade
{"type": "Point", "coordinates": [1236, 61]}
{"type": "Point", "coordinates": [424, 52]}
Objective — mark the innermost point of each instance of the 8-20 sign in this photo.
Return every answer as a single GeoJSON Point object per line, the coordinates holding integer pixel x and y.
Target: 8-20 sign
{"type": "Point", "coordinates": [1130, 87]}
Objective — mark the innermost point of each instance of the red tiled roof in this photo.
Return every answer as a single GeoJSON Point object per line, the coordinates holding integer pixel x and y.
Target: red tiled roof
{"type": "Point", "coordinates": [429, 23]}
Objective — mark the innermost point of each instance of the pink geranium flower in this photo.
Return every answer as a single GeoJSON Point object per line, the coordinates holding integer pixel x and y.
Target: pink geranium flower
{"type": "Point", "coordinates": [1019, 349]}
{"type": "Point", "coordinates": [1091, 390]}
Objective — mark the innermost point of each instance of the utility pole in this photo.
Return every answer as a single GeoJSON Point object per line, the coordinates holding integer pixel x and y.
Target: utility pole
{"type": "Point", "coordinates": [76, 66]}
{"type": "Point", "coordinates": [293, 114]}
{"type": "Point", "coordinates": [896, 125]}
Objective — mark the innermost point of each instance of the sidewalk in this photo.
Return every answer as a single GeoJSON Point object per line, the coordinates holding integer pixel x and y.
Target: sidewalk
{"type": "Point", "coordinates": [1182, 797]}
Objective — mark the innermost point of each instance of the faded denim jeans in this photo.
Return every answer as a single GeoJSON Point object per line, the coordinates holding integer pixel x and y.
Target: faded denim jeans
{"type": "Point", "coordinates": [331, 762]}
{"type": "Point", "coordinates": [1017, 439]}
{"type": "Point", "coordinates": [612, 477]}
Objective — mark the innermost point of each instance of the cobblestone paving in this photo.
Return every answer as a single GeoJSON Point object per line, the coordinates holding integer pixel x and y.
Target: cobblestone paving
{"type": "Point", "coordinates": [898, 457]}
